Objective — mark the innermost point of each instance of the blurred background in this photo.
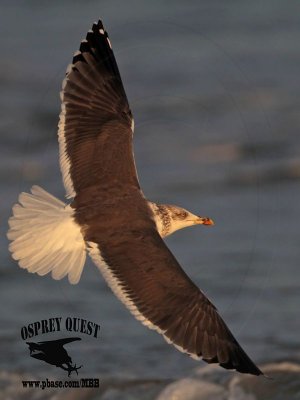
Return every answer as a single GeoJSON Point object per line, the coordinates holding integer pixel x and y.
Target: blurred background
{"type": "Point", "coordinates": [214, 90]}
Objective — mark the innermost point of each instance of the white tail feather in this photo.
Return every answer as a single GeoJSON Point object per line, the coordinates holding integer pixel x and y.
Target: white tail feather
{"type": "Point", "coordinates": [44, 236]}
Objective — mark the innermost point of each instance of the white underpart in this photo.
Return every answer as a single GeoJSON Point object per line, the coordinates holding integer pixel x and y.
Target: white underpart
{"type": "Point", "coordinates": [64, 159]}
{"type": "Point", "coordinates": [120, 291]}
{"type": "Point", "coordinates": [115, 285]}
{"type": "Point", "coordinates": [45, 237]}
{"type": "Point", "coordinates": [137, 176]}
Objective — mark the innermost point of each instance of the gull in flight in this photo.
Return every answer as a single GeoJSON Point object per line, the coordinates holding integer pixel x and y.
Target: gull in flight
{"type": "Point", "coordinates": [109, 218]}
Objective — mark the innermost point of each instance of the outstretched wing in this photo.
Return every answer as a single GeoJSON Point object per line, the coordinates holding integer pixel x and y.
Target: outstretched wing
{"type": "Point", "coordinates": [146, 277]}
{"type": "Point", "coordinates": [95, 127]}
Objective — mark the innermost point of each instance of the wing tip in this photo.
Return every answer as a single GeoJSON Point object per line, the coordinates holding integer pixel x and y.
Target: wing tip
{"type": "Point", "coordinates": [86, 44]}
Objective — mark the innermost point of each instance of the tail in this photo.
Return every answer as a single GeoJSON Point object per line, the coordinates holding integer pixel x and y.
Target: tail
{"type": "Point", "coordinates": [44, 236]}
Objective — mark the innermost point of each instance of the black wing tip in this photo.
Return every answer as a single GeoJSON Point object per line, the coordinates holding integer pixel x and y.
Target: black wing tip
{"type": "Point", "coordinates": [99, 24]}
{"type": "Point", "coordinates": [252, 370]}
{"type": "Point", "coordinates": [245, 366]}
{"type": "Point", "coordinates": [99, 30]}
{"type": "Point", "coordinates": [95, 33]}
{"type": "Point", "coordinates": [242, 364]}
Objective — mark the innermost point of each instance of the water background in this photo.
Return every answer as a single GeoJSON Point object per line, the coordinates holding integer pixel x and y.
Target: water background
{"type": "Point", "coordinates": [214, 89]}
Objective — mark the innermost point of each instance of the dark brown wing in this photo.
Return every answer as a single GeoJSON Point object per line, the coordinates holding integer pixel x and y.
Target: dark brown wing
{"type": "Point", "coordinates": [144, 274]}
{"type": "Point", "coordinates": [95, 135]}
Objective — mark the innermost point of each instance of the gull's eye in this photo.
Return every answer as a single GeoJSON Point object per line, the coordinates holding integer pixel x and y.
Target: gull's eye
{"type": "Point", "coordinates": [180, 214]}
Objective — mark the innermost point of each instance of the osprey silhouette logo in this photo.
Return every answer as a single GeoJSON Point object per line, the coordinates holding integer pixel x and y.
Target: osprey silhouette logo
{"type": "Point", "coordinates": [54, 353]}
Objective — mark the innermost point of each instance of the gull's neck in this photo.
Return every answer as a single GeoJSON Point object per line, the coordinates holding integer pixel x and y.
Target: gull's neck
{"type": "Point", "coordinates": [162, 218]}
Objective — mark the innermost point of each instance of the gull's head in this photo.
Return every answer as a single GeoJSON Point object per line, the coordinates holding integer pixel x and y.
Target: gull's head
{"type": "Point", "coordinates": [170, 218]}
{"type": "Point", "coordinates": [181, 218]}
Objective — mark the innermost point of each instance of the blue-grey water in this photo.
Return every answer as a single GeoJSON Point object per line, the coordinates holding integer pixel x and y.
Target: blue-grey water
{"type": "Point", "coordinates": [214, 89]}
